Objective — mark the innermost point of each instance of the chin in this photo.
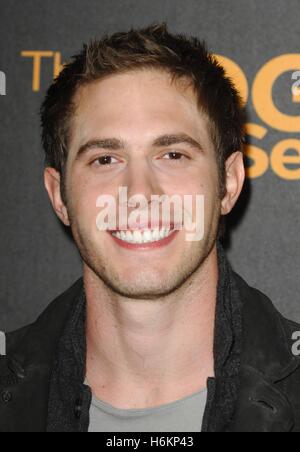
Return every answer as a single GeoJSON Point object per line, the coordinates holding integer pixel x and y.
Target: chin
{"type": "Point", "coordinates": [142, 293]}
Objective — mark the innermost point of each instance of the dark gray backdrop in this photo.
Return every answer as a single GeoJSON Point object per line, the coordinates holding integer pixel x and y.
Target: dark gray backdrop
{"type": "Point", "coordinates": [37, 259]}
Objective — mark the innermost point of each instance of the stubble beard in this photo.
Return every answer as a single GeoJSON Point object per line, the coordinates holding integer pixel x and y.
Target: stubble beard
{"type": "Point", "coordinates": [146, 285]}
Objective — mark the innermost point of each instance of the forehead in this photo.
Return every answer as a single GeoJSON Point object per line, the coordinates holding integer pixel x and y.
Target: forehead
{"type": "Point", "coordinates": [138, 103]}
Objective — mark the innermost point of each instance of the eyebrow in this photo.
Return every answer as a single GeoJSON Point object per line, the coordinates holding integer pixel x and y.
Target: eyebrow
{"type": "Point", "coordinates": [115, 144]}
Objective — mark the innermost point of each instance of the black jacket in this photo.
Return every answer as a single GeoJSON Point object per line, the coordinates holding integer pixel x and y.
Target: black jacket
{"type": "Point", "coordinates": [267, 396]}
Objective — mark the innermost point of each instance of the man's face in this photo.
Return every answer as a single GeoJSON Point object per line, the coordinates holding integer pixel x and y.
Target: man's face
{"type": "Point", "coordinates": [131, 112]}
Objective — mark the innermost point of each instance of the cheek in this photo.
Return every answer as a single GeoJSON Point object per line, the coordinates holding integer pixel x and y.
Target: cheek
{"type": "Point", "coordinates": [204, 182]}
{"type": "Point", "coordinates": [83, 201]}
{"type": "Point", "coordinates": [207, 186]}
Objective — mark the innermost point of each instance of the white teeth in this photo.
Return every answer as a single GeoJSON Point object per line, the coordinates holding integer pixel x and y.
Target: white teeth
{"type": "Point", "coordinates": [137, 237]}
{"type": "Point", "coordinates": [128, 236]}
{"type": "Point", "coordinates": [156, 234]}
{"type": "Point", "coordinates": [162, 233]}
{"type": "Point", "coordinates": [147, 236]}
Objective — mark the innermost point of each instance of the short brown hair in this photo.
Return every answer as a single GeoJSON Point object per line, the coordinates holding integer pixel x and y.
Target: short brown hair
{"type": "Point", "coordinates": [151, 47]}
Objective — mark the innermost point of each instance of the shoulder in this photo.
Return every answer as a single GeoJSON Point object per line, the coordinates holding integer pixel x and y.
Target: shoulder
{"type": "Point", "coordinates": [258, 304]}
{"type": "Point", "coordinates": [269, 339]}
{"type": "Point", "coordinates": [48, 325]}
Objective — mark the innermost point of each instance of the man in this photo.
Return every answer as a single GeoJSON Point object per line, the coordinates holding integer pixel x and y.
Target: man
{"type": "Point", "coordinates": [160, 334]}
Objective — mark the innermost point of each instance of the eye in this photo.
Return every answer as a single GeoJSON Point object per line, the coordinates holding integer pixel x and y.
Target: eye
{"type": "Point", "coordinates": [174, 155]}
{"type": "Point", "coordinates": [105, 160]}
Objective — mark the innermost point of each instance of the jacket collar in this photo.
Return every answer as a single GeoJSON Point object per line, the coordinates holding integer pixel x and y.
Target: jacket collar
{"type": "Point", "coordinates": [223, 389]}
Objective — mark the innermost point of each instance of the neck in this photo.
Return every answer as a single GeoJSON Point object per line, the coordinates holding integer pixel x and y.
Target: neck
{"type": "Point", "coordinates": [158, 350]}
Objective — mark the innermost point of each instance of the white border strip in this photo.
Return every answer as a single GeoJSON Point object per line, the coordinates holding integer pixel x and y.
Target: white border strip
{"type": "Point", "coordinates": [2, 344]}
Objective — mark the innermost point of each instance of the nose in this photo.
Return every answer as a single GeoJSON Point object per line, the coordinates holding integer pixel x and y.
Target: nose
{"type": "Point", "coordinates": [140, 179]}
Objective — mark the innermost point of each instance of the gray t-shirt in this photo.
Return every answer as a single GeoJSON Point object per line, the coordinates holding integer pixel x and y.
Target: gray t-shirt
{"type": "Point", "coordinates": [184, 415]}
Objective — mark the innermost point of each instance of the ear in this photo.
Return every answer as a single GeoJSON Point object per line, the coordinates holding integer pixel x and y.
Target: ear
{"type": "Point", "coordinates": [235, 178]}
{"type": "Point", "coordinates": [52, 180]}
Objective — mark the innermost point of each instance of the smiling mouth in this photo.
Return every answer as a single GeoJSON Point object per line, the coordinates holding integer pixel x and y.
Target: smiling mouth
{"type": "Point", "coordinates": [143, 237]}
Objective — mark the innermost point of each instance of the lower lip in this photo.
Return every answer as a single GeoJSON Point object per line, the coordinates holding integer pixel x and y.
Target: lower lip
{"type": "Point", "coordinates": [145, 246]}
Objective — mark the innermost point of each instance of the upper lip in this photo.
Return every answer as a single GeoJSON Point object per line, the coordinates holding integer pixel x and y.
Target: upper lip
{"type": "Point", "coordinates": [147, 226]}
